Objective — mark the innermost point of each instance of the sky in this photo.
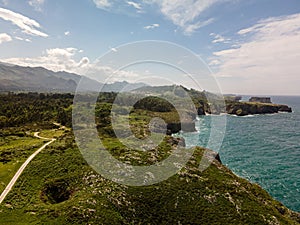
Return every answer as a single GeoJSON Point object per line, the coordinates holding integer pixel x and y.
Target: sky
{"type": "Point", "coordinates": [249, 46]}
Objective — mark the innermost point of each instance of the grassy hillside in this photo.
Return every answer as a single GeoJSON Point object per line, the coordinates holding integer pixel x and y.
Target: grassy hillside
{"type": "Point", "coordinates": [59, 187]}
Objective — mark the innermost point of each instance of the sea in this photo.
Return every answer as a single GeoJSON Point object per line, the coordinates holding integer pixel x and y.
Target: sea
{"type": "Point", "coordinates": [264, 149]}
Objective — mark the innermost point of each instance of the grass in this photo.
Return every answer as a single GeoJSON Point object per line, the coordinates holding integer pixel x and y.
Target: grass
{"type": "Point", "coordinates": [21, 144]}
{"type": "Point", "coordinates": [14, 151]}
{"type": "Point", "coordinates": [215, 196]}
{"type": "Point", "coordinates": [138, 157]}
{"type": "Point", "coordinates": [7, 171]}
{"type": "Point", "coordinates": [59, 166]}
{"type": "Point", "coordinates": [54, 133]}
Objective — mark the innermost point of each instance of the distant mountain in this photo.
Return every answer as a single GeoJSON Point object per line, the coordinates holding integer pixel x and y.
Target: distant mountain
{"type": "Point", "coordinates": [123, 86]}
{"type": "Point", "coordinates": [160, 90]}
{"type": "Point", "coordinates": [19, 78]}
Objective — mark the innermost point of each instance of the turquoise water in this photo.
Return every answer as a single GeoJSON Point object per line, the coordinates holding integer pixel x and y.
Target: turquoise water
{"type": "Point", "coordinates": [264, 149]}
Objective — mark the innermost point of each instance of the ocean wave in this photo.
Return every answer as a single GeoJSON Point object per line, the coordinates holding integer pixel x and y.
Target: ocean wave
{"type": "Point", "coordinates": [247, 116]}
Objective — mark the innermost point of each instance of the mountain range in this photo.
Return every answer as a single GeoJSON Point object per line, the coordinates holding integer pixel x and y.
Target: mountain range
{"type": "Point", "coordinates": [39, 79]}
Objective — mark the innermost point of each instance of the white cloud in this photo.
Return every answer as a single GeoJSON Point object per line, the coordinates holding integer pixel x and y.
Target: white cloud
{"type": "Point", "coordinates": [64, 59]}
{"type": "Point", "coordinates": [214, 62]}
{"type": "Point", "coordinates": [135, 5]}
{"type": "Point", "coordinates": [155, 25]}
{"type": "Point", "coordinates": [119, 6]}
{"type": "Point", "coordinates": [22, 39]}
{"type": "Point", "coordinates": [114, 49]}
{"type": "Point", "coordinates": [191, 28]}
{"type": "Point", "coordinates": [122, 75]}
{"type": "Point", "coordinates": [185, 14]}
{"type": "Point", "coordinates": [61, 52]}
{"type": "Point", "coordinates": [103, 4]}
{"type": "Point", "coordinates": [27, 25]}
{"type": "Point", "coordinates": [268, 58]}
{"type": "Point", "coordinates": [219, 38]}
{"type": "Point", "coordinates": [36, 4]}
{"type": "Point", "coordinates": [5, 38]}
{"type": "Point", "coordinates": [56, 59]}
{"type": "Point", "coordinates": [83, 62]}
{"type": "Point", "coordinates": [225, 52]}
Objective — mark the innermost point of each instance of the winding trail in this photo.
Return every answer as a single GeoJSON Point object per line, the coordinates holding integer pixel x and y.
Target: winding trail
{"type": "Point", "coordinates": [22, 168]}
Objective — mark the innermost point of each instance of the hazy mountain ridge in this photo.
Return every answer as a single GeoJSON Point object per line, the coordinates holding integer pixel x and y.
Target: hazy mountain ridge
{"type": "Point", "coordinates": [122, 86]}
{"type": "Point", "coordinates": [20, 78]}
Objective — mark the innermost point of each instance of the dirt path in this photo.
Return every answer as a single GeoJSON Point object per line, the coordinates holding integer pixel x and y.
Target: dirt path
{"type": "Point", "coordinates": [22, 168]}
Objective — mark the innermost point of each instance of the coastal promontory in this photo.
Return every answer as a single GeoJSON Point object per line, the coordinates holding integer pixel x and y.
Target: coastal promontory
{"type": "Point", "coordinates": [255, 106]}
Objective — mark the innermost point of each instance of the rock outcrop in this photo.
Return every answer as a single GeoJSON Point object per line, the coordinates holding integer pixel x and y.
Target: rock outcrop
{"type": "Point", "coordinates": [284, 108]}
{"type": "Point", "coordinates": [251, 108]}
{"type": "Point", "coordinates": [173, 128]}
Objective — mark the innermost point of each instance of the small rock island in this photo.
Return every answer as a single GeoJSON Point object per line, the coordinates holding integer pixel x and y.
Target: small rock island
{"type": "Point", "coordinates": [255, 105]}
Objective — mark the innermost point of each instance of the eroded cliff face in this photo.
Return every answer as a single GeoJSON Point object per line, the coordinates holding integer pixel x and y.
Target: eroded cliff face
{"type": "Point", "coordinates": [232, 108]}
{"type": "Point", "coordinates": [244, 108]}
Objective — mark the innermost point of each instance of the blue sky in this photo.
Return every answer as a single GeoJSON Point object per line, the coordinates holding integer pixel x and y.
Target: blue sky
{"type": "Point", "coordinates": [252, 47]}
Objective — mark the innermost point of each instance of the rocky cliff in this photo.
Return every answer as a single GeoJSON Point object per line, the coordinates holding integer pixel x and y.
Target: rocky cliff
{"type": "Point", "coordinates": [242, 108]}
{"type": "Point", "coordinates": [250, 108]}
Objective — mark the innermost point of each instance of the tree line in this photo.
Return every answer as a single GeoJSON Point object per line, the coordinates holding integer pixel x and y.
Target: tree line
{"type": "Point", "coordinates": [23, 108]}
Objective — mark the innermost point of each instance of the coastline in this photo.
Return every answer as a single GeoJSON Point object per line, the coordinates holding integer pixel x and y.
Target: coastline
{"type": "Point", "coordinates": [247, 144]}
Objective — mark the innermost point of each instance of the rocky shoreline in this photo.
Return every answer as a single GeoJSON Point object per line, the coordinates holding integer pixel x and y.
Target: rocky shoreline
{"type": "Point", "coordinates": [232, 107]}
{"type": "Point", "coordinates": [252, 108]}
